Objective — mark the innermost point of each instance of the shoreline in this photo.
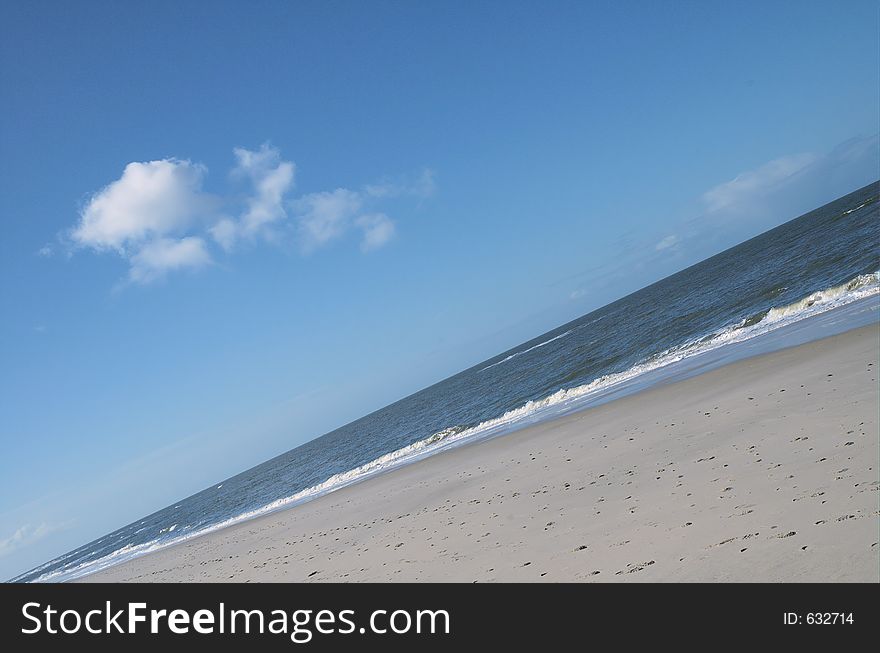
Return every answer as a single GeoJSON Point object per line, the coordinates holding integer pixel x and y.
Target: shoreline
{"type": "Point", "coordinates": [665, 484]}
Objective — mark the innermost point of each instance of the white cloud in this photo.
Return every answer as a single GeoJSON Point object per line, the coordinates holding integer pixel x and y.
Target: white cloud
{"type": "Point", "coordinates": [666, 243]}
{"type": "Point", "coordinates": [161, 255]}
{"type": "Point", "coordinates": [378, 230]}
{"type": "Point", "coordinates": [143, 214]}
{"type": "Point", "coordinates": [740, 192]}
{"type": "Point", "coordinates": [325, 216]}
{"type": "Point", "coordinates": [25, 535]}
{"type": "Point", "coordinates": [272, 179]}
{"type": "Point", "coordinates": [159, 219]}
{"type": "Point", "coordinates": [46, 251]}
{"type": "Point", "coordinates": [151, 199]}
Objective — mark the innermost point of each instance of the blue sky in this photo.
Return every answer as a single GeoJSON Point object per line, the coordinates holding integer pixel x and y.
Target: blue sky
{"type": "Point", "coordinates": [230, 227]}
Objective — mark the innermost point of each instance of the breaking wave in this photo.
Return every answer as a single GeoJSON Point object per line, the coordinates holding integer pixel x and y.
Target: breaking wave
{"type": "Point", "coordinates": [862, 286]}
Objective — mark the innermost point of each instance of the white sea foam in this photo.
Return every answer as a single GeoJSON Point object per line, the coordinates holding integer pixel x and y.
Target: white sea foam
{"type": "Point", "coordinates": [526, 351]}
{"type": "Point", "coordinates": [857, 208]}
{"type": "Point", "coordinates": [562, 400]}
{"type": "Point", "coordinates": [862, 285]}
{"type": "Point", "coordinates": [122, 554]}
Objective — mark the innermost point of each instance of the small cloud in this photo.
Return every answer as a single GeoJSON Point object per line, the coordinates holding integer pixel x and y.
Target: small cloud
{"type": "Point", "coordinates": [46, 251]}
{"type": "Point", "coordinates": [666, 243]}
{"type": "Point", "coordinates": [378, 230]}
{"type": "Point", "coordinates": [40, 328]}
{"type": "Point", "coordinates": [165, 254]}
{"type": "Point", "coordinates": [577, 294]}
{"type": "Point", "coordinates": [322, 217]}
{"type": "Point", "coordinates": [272, 178]}
{"type": "Point", "coordinates": [26, 535]}
{"type": "Point", "coordinates": [325, 216]}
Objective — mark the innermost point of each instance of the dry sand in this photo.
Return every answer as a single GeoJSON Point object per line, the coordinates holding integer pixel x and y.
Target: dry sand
{"type": "Point", "coordinates": [765, 470]}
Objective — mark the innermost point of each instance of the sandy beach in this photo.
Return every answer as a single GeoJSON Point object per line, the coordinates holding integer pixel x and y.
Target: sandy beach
{"type": "Point", "coordinates": [764, 470]}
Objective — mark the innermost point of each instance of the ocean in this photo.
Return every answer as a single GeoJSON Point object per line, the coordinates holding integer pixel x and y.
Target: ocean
{"type": "Point", "coordinates": [814, 276]}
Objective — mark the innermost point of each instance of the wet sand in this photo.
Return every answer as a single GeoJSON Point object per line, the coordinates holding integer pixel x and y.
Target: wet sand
{"type": "Point", "coordinates": [764, 470]}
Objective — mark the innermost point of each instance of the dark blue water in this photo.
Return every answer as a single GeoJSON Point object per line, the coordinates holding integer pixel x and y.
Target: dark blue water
{"type": "Point", "coordinates": [806, 268]}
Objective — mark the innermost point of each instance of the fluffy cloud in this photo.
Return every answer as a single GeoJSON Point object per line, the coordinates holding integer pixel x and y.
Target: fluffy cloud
{"type": "Point", "coordinates": [378, 229]}
{"type": "Point", "coordinates": [271, 179]}
{"type": "Point", "coordinates": [319, 218]}
{"type": "Point", "coordinates": [158, 217]}
{"type": "Point", "coordinates": [144, 216]}
{"type": "Point", "coordinates": [151, 199]}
